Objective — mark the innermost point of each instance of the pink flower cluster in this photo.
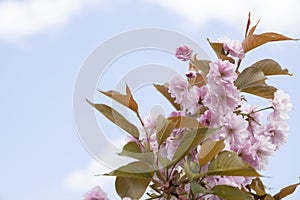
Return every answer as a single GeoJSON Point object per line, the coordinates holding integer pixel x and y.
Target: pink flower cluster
{"type": "Point", "coordinates": [241, 124]}
{"type": "Point", "coordinates": [217, 104]}
{"type": "Point", "coordinates": [95, 194]}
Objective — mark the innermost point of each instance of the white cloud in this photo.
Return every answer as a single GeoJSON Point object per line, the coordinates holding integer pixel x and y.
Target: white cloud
{"type": "Point", "coordinates": [19, 19]}
{"type": "Point", "coordinates": [85, 179]}
{"type": "Point", "coordinates": [281, 16]}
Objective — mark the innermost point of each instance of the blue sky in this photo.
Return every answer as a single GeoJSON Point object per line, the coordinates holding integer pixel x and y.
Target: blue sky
{"type": "Point", "coordinates": [42, 47]}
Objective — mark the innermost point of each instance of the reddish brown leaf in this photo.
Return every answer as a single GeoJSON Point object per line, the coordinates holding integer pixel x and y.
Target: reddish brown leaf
{"type": "Point", "coordinates": [186, 122]}
{"type": "Point", "coordinates": [258, 187]}
{"type": "Point", "coordinates": [270, 67]}
{"type": "Point", "coordinates": [198, 81]}
{"type": "Point", "coordinates": [199, 65]}
{"type": "Point", "coordinates": [116, 118]}
{"type": "Point", "coordinates": [286, 191]}
{"type": "Point", "coordinates": [248, 24]}
{"type": "Point", "coordinates": [268, 197]}
{"type": "Point", "coordinates": [124, 99]}
{"type": "Point", "coordinates": [164, 90]}
{"type": "Point", "coordinates": [219, 50]}
{"type": "Point", "coordinates": [253, 41]}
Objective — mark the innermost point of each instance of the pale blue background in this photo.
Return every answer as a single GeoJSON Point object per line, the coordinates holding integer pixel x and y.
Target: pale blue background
{"type": "Point", "coordinates": [42, 46]}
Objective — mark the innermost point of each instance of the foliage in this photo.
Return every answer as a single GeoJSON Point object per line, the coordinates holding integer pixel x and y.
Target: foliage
{"type": "Point", "coordinates": [214, 143]}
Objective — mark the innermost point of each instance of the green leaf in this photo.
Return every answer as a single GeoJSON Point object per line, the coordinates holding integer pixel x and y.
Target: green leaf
{"type": "Point", "coordinates": [164, 129]}
{"type": "Point", "coordinates": [116, 118]}
{"type": "Point", "coordinates": [124, 99]}
{"type": "Point", "coordinates": [131, 187]}
{"type": "Point", "coordinates": [132, 147]}
{"type": "Point", "coordinates": [270, 67]}
{"type": "Point", "coordinates": [219, 50]}
{"type": "Point", "coordinates": [190, 141]}
{"type": "Point", "coordinates": [230, 164]}
{"type": "Point", "coordinates": [201, 65]}
{"type": "Point", "coordinates": [227, 192]}
{"type": "Point", "coordinates": [286, 191]}
{"type": "Point", "coordinates": [137, 169]}
{"type": "Point", "coordinates": [132, 150]}
{"type": "Point", "coordinates": [209, 149]}
{"type": "Point", "coordinates": [250, 77]}
{"type": "Point", "coordinates": [186, 122]}
{"type": "Point", "coordinates": [164, 161]}
{"type": "Point", "coordinates": [164, 90]}
{"type": "Point", "coordinates": [198, 189]}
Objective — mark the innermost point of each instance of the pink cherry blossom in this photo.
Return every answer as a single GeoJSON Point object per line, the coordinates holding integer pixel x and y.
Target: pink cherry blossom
{"type": "Point", "coordinates": [210, 119]}
{"type": "Point", "coordinates": [184, 53]}
{"type": "Point", "coordinates": [221, 73]}
{"type": "Point", "coordinates": [95, 194]}
{"type": "Point", "coordinates": [196, 99]}
{"type": "Point", "coordinates": [235, 129]}
{"type": "Point", "coordinates": [257, 151]}
{"type": "Point", "coordinates": [281, 105]}
{"type": "Point", "coordinates": [222, 100]}
{"type": "Point", "coordinates": [176, 113]}
{"type": "Point", "coordinates": [178, 87]}
{"type": "Point", "coordinates": [278, 133]}
{"type": "Point", "coordinates": [232, 47]}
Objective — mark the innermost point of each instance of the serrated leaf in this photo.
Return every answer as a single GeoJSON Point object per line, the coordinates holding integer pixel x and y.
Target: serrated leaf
{"type": "Point", "coordinates": [230, 164]}
{"type": "Point", "coordinates": [258, 187]}
{"type": "Point", "coordinates": [132, 150]}
{"type": "Point", "coordinates": [199, 65]}
{"type": "Point", "coordinates": [252, 80]}
{"type": "Point", "coordinates": [190, 141]}
{"type": "Point", "coordinates": [270, 67]}
{"type": "Point", "coordinates": [252, 40]}
{"type": "Point", "coordinates": [124, 99]}
{"type": "Point", "coordinates": [164, 90]}
{"type": "Point", "coordinates": [116, 118]}
{"type": "Point", "coordinates": [137, 169]}
{"type": "Point", "coordinates": [219, 50]}
{"type": "Point", "coordinates": [209, 149]}
{"type": "Point", "coordinates": [131, 187]}
{"type": "Point", "coordinates": [286, 191]}
{"type": "Point", "coordinates": [250, 77]}
{"type": "Point", "coordinates": [164, 129]}
{"type": "Point", "coordinates": [227, 192]}
{"type": "Point", "coordinates": [185, 122]}
{"type": "Point", "coordinates": [262, 90]}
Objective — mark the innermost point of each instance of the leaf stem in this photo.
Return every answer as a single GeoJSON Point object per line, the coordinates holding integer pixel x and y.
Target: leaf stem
{"type": "Point", "coordinates": [270, 107]}
{"type": "Point", "coordinates": [238, 66]}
